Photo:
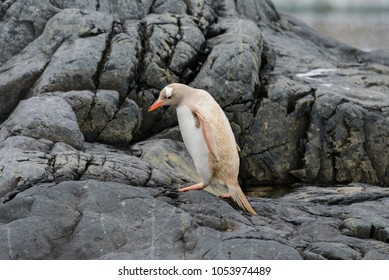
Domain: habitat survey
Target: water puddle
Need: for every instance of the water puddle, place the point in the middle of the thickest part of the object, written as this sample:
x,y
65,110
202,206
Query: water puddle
x,y
271,191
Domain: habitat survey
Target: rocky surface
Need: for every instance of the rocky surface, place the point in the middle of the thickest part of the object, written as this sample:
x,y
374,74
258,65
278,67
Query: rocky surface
x,y
86,173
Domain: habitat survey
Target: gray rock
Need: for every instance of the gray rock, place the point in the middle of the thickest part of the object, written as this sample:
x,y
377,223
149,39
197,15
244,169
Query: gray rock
x,y
202,10
173,42
169,158
44,117
383,235
118,168
69,164
102,116
21,169
272,142
120,70
230,72
334,251
124,10
70,67
104,107
357,227
237,247
303,107
122,126
21,24
81,102
94,210
21,72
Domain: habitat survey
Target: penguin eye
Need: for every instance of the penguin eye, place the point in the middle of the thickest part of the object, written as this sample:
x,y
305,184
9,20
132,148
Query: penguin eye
x,y
169,92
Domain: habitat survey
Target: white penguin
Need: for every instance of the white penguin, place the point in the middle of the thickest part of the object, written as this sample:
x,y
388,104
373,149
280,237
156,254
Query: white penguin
x,y
208,136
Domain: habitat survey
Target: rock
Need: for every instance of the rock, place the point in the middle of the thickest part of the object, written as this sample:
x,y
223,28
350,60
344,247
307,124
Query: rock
x,y
103,117
81,102
230,248
122,126
120,70
94,210
230,72
124,10
169,158
96,163
21,24
23,164
70,68
334,251
88,173
70,164
21,72
383,234
118,168
104,107
272,142
44,117
94,219
162,32
357,227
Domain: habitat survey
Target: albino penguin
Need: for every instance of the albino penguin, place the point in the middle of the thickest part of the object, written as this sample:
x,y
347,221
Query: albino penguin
x,y
208,137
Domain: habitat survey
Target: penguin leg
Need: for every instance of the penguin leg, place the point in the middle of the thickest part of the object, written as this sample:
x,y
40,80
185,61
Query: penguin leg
x,y
198,186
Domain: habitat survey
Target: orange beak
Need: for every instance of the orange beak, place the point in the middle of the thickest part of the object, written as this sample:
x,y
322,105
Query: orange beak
x,y
156,105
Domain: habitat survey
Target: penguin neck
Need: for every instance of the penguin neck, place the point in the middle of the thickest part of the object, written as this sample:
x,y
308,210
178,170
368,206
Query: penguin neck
x,y
190,96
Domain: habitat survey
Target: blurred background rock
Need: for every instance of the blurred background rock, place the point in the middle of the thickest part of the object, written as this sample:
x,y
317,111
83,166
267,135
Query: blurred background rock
x,y
359,23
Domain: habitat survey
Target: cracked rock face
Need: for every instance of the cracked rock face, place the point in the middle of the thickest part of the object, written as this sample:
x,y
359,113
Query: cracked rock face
x,y
90,174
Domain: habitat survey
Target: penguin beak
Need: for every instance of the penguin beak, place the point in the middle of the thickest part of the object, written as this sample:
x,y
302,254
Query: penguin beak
x,y
156,105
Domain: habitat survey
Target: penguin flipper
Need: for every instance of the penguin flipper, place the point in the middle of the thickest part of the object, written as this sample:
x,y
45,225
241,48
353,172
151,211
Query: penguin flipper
x,y
208,134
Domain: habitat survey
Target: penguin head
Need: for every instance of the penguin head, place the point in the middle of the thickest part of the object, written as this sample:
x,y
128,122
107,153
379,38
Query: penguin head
x,y
172,94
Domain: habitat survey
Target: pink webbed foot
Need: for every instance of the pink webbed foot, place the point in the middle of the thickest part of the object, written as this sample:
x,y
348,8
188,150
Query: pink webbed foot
x,y
226,195
198,186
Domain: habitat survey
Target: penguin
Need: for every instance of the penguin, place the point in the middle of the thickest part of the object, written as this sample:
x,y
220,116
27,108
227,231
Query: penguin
x,y
208,137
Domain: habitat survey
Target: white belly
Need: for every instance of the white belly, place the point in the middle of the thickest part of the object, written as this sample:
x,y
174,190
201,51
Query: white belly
x,y
194,142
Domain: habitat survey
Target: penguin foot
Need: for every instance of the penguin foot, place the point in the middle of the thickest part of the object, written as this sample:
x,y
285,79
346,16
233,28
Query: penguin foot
x,y
198,186
226,195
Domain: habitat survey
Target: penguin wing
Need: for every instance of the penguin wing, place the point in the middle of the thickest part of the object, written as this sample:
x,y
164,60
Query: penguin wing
x,y
208,134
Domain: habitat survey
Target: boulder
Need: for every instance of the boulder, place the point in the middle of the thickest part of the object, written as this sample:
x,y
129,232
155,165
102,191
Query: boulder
x,y
49,118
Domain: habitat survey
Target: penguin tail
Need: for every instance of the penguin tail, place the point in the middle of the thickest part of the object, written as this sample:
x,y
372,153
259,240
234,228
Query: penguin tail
x,y
239,197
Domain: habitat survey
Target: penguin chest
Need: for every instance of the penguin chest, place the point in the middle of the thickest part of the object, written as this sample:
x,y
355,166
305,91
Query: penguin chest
x,y
194,142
